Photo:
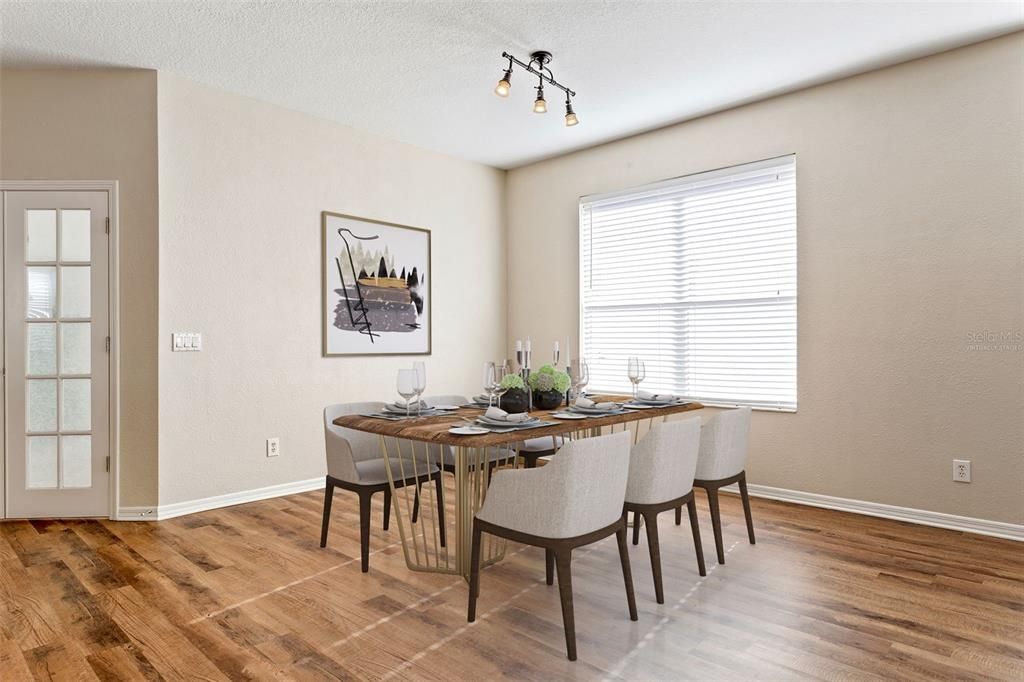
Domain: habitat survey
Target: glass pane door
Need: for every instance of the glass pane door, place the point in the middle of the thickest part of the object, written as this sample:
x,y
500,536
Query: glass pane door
x,y
56,318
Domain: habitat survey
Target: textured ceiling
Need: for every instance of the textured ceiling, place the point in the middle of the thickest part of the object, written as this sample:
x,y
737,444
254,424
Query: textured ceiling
x,y
423,72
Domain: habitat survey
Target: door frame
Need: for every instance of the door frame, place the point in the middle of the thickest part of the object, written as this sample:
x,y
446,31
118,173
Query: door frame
x,y
113,301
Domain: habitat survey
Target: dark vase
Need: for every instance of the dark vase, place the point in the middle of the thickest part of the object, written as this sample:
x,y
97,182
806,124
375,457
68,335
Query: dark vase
x,y
547,400
514,400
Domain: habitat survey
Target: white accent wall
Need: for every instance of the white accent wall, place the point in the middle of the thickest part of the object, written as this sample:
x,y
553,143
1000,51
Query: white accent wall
x,y
242,185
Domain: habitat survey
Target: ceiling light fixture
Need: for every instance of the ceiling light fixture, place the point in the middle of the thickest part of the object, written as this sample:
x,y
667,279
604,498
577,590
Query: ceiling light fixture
x,y
505,84
570,115
538,67
540,105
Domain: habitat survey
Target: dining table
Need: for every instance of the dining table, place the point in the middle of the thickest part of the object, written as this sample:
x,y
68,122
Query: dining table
x,y
416,446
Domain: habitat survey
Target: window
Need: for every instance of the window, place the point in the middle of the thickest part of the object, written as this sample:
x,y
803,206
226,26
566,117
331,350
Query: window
x,y
697,277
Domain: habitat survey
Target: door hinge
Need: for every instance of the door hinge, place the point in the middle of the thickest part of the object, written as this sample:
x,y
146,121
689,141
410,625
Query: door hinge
x,y
108,344
108,463
107,231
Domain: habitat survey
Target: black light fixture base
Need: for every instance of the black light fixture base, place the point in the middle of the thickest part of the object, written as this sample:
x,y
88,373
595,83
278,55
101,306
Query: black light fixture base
x,y
542,57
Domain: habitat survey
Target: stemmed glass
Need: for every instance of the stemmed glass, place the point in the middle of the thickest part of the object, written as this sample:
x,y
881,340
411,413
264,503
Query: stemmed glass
x,y
407,386
580,376
637,372
421,383
491,382
500,389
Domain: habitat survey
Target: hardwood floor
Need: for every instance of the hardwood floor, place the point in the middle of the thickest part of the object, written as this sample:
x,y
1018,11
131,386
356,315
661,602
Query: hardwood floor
x,y
246,593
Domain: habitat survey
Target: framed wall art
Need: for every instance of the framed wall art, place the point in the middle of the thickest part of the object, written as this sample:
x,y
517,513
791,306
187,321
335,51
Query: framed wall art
x,y
376,287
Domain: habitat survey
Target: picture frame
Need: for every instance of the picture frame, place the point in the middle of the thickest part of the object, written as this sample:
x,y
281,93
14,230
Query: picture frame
x,y
376,293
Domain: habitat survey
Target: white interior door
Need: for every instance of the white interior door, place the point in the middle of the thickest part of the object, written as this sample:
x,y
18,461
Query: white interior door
x,y
56,362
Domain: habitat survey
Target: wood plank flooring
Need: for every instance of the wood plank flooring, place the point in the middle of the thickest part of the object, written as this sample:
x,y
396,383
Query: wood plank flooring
x,y
246,593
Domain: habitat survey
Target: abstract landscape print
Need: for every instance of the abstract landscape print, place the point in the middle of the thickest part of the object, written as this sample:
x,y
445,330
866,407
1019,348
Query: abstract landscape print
x,y
376,281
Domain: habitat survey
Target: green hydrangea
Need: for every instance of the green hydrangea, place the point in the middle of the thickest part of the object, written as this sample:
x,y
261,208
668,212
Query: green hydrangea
x,y
510,381
547,378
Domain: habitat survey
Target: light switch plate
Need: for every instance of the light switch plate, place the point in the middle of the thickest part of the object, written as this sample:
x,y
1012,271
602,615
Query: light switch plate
x,y
186,342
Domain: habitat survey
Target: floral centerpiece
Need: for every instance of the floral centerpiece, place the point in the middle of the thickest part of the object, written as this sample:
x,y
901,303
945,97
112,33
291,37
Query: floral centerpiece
x,y
549,386
514,399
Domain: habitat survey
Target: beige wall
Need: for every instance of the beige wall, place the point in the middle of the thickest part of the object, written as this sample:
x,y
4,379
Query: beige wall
x,y
911,237
242,187
101,125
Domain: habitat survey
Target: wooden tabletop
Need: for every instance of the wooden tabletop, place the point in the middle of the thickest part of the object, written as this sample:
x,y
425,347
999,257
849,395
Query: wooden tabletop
x,y
435,429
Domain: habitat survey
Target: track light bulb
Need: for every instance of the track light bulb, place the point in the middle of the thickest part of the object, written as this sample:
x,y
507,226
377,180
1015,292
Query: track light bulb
x,y
570,115
504,85
540,106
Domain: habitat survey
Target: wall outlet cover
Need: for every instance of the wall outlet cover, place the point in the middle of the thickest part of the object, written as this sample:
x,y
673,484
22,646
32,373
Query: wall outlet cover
x,y
962,470
273,447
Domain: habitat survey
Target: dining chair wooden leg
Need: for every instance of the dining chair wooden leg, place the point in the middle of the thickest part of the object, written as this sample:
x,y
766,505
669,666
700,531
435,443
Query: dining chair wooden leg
x,y
627,573
691,507
438,491
474,573
387,507
716,522
563,562
636,528
549,566
328,498
364,529
746,505
651,519
679,516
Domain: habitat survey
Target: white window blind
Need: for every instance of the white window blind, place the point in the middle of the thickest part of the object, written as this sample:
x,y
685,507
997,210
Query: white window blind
x,y
697,277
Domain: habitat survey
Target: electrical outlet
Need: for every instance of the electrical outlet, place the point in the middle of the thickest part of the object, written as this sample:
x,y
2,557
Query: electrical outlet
x,y
273,447
962,470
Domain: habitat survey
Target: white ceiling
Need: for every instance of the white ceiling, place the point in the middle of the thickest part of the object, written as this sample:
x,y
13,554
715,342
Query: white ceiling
x,y
423,72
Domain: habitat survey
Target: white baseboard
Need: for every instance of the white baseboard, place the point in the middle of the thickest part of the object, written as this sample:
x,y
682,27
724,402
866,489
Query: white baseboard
x,y
136,514
966,524
169,511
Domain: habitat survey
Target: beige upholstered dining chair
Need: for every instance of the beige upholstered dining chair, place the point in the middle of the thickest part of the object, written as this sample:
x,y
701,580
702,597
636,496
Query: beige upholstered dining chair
x,y
723,460
354,463
661,471
574,501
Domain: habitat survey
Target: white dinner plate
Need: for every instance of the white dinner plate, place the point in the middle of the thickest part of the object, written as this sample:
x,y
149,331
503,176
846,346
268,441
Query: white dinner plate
x,y
500,422
400,409
567,415
593,411
468,430
638,406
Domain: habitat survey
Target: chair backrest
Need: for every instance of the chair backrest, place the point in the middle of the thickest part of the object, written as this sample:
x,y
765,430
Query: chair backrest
x,y
593,473
723,445
345,447
445,400
662,464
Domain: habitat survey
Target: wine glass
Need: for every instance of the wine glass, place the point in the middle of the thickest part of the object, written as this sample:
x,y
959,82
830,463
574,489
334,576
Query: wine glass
x,y
637,372
420,368
580,376
407,386
499,388
491,382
